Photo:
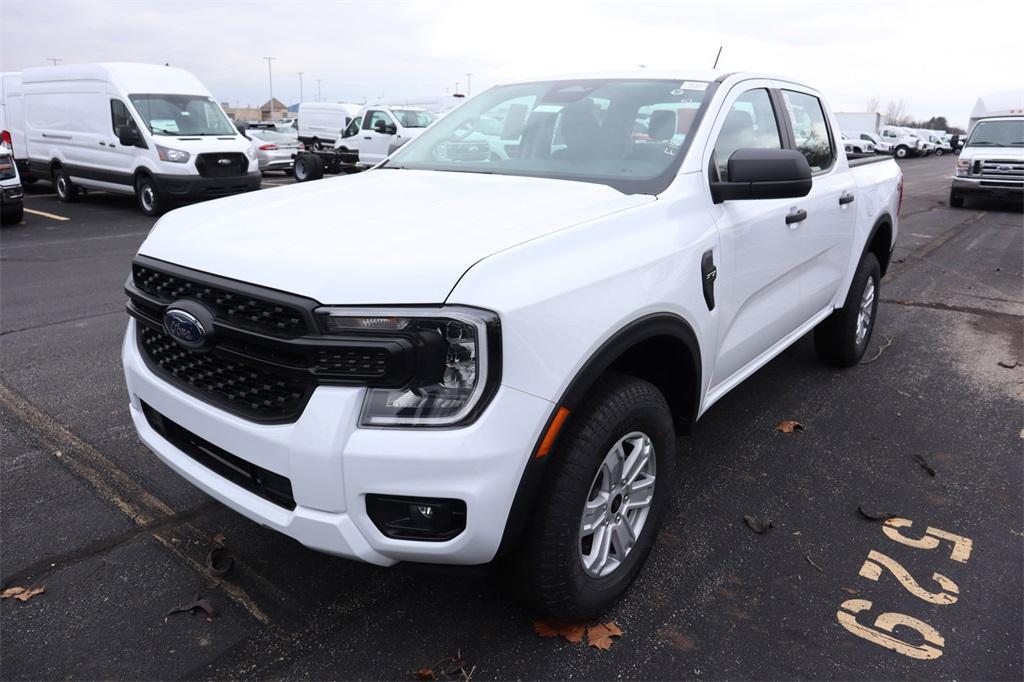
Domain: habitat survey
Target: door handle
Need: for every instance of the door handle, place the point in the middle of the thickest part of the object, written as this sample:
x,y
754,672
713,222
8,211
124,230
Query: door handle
x,y
846,198
797,215
103,144
368,138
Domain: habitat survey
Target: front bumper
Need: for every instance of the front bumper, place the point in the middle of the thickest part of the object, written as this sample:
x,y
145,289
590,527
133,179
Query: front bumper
x,y
333,465
196,187
993,188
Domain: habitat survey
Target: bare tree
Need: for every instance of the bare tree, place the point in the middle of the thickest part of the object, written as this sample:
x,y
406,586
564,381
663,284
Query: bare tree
x,y
872,104
896,113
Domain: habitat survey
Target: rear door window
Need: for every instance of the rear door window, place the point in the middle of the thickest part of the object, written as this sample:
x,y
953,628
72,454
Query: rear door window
x,y
810,131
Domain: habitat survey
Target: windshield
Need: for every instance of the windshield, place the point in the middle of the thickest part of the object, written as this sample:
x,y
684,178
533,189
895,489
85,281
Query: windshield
x,y
998,134
182,115
623,132
414,118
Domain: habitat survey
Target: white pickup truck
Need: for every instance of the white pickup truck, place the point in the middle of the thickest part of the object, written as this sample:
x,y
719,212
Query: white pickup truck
x,y
492,356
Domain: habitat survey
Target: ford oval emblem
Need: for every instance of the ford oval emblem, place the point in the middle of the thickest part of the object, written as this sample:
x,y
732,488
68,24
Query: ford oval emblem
x,y
224,162
184,328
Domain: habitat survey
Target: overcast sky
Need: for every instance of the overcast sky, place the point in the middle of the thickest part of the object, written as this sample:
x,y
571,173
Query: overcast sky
x,y
936,56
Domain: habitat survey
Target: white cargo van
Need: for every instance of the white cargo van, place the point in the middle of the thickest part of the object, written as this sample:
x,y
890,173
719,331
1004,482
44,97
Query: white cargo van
x,y
153,131
321,123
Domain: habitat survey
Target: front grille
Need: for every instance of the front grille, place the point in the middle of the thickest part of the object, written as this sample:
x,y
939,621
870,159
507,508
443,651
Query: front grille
x,y
1001,169
268,485
211,166
248,311
227,380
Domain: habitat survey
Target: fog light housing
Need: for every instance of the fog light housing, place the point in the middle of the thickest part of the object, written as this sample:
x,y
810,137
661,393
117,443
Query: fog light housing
x,y
417,518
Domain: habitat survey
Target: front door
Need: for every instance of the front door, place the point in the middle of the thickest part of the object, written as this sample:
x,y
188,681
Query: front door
x,y
374,144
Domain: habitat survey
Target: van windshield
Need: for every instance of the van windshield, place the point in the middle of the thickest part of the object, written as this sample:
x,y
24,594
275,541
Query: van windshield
x,y
626,133
182,115
998,134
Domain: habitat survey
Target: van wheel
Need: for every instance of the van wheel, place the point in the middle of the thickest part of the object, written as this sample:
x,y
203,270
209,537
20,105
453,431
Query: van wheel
x,y
315,144
939,151
66,191
12,215
901,152
955,200
151,202
842,337
308,167
606,491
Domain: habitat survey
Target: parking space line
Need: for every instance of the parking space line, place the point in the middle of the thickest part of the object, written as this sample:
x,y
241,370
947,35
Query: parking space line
x,y
116,487
44,214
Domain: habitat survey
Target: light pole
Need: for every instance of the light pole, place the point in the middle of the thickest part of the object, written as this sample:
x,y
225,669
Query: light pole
x,y
318,82
468,89
300,85
270,76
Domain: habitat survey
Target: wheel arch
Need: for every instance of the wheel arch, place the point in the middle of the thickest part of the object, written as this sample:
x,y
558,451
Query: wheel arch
x,y
880,242
638,349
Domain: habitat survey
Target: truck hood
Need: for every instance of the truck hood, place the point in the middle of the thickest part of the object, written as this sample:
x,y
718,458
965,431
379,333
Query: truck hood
x,y
992,153
384,236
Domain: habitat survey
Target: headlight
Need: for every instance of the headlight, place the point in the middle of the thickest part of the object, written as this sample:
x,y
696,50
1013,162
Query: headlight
x,y
963,167
172,155
464,356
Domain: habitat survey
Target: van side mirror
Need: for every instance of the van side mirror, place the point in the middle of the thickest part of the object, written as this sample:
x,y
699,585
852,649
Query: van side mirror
x,y
764,174
128,136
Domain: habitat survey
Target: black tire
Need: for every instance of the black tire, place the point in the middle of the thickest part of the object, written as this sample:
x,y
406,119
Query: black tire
x,y
835,338
550,554
939,151
308,167
316,145
151,201
67,192
12,215
955,200
901,152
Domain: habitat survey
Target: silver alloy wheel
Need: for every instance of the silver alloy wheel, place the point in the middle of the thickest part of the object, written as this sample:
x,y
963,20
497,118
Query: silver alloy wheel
x,y
62,186
867,303
146,195
617,505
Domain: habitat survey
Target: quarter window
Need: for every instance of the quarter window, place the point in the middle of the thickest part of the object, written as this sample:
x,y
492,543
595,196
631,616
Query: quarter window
x,y
119,115
749,123
809,129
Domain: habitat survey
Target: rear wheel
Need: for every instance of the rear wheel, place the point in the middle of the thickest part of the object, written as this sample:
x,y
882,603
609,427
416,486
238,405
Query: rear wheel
x,y
66,191
308,167
955,200
901,152
939,151
609,484
842,337
150,200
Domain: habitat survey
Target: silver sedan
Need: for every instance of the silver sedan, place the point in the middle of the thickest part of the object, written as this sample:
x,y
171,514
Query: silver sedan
x,y
274,150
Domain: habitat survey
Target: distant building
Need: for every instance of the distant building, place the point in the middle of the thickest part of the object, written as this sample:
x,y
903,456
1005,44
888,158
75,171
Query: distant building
x,y
251,113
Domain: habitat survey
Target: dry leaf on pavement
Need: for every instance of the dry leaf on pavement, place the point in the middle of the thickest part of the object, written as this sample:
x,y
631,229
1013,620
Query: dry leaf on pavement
x,y
789,426
425,674
874,515
22,593
219,539
759,526
600,636
203,605
550,628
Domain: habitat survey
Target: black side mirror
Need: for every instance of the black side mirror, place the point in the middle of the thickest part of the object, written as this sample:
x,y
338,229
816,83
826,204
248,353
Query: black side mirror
x,y
764,174
128,136
381,127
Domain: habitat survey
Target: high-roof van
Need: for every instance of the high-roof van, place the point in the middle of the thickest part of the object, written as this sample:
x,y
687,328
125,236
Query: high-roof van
x,y
152,131
322,123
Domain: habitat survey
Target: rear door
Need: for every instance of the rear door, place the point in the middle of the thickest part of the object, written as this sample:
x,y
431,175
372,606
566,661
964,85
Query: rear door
x,y
826,236
758,269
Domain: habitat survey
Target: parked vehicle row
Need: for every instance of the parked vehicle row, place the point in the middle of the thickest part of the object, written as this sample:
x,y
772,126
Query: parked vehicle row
x,y
492,355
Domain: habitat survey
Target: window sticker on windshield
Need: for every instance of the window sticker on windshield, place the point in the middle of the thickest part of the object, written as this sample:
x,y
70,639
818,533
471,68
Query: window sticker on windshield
x,y
166,124
694,85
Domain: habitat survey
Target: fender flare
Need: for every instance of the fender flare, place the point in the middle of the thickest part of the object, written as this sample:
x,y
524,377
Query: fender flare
x,y
883,219
637,331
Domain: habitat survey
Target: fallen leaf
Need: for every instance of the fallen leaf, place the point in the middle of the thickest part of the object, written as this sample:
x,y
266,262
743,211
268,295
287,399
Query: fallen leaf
x,y
219,539
219,562
789,426
1008,364
22,593
550,628
677,640
923,463
759,526
203,605
425,674
600,635
849,590
872,515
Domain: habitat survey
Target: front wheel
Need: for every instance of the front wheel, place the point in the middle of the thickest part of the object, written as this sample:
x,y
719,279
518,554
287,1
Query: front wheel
x,y
842,337
151,202
955,200
12,214
939,152
609,484
901,152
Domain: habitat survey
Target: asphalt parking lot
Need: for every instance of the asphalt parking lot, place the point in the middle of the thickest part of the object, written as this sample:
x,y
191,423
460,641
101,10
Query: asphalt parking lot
x,y
118,540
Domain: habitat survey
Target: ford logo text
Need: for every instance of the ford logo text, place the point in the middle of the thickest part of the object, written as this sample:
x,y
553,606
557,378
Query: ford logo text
x,y
184,328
